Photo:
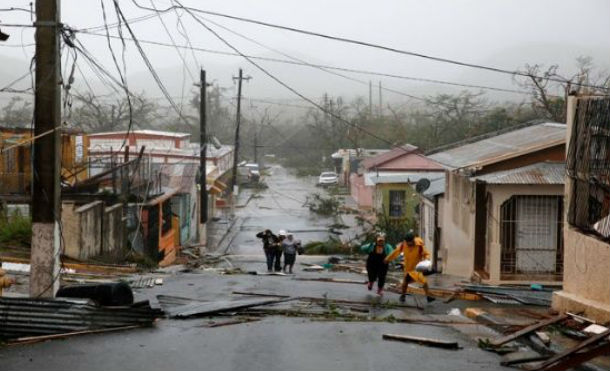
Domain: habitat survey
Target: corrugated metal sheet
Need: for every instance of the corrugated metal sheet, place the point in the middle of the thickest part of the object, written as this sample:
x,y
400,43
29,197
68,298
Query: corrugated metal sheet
x,y
21,317
507,144
540,173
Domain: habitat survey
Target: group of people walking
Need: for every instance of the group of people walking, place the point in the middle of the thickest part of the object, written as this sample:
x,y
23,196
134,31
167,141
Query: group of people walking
x,y
416,262
275,246
416,259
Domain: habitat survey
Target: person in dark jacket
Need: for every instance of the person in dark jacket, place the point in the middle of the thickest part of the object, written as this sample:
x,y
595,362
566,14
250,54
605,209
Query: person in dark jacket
x,y
279,249
376,268
269,245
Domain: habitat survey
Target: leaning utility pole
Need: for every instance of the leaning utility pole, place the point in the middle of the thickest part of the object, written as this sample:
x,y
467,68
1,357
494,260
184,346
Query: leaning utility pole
x,y
240,78
46,212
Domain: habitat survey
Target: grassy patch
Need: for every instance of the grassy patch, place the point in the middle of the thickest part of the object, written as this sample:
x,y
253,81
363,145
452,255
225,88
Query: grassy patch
x,y
15,229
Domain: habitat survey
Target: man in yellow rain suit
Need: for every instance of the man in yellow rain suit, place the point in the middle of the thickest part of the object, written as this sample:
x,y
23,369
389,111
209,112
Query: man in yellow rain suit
x,y
414,251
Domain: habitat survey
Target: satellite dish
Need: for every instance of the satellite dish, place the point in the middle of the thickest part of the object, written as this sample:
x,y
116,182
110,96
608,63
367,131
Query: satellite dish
x,y
216,143
422,185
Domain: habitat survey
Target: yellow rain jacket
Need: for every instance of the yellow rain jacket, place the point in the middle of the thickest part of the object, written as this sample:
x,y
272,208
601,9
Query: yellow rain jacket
x,y
413,254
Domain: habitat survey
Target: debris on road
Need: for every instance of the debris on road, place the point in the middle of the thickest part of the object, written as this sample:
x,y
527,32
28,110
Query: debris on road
x,y
213,324
200,309
108,294
423,341
519,357
26,317
505,339
38,339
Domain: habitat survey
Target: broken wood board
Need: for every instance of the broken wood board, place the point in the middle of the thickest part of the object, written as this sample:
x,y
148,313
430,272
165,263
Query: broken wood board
x,y
82,267
205,309
438,292
572,357
37,339
527,330
329,300
423,341
231,322
313,268
517,358
332,280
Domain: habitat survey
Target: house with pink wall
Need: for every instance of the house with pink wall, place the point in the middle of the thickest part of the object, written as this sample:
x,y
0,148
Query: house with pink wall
x,y
407,159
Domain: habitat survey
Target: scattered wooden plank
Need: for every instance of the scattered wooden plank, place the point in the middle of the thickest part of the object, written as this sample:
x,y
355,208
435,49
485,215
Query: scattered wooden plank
x,y
37,339
332,280
206,309
262,294
527,330
233,322
517,358
423,341
570,358
329,300
438,292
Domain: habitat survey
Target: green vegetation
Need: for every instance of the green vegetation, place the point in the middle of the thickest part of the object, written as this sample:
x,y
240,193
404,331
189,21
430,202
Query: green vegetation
x,y
321,205
328,247
15,229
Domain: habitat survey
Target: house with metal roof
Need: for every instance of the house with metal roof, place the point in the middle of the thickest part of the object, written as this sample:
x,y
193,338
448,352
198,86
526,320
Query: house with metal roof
x,y
384,183
501,214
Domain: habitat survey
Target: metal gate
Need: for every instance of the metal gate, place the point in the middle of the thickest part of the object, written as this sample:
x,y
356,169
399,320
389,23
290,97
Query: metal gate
x,y
531,235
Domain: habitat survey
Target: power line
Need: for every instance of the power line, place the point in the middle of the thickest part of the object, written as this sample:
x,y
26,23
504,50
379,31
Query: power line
x,y
288,87
330,67
305,62
376,46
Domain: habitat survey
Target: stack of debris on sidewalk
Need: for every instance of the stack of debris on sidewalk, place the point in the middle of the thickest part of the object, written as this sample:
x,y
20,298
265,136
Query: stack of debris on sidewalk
x,y
533,295
558,342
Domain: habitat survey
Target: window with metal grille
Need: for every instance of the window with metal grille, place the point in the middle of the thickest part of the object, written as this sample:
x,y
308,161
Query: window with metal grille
x,y
397,203
588,165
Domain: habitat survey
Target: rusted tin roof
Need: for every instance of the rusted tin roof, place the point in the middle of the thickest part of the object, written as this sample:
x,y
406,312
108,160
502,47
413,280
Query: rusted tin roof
x,y
504,146
539,173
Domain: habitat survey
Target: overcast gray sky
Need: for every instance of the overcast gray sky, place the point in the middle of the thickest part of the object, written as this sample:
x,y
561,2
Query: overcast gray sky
x,y
502,33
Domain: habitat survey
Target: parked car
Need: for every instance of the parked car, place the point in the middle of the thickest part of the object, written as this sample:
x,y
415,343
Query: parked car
x,y
328,178
254,174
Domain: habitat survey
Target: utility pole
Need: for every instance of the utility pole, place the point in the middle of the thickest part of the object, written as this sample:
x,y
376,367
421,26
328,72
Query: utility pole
x,y
203,141
46,213
370,98
255,145
380,100
240,78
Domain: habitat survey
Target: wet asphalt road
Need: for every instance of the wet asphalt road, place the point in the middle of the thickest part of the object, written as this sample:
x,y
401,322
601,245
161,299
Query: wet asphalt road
x,y
281,206
274,343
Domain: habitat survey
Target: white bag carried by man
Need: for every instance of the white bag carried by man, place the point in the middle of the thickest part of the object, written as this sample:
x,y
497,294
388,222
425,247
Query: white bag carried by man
x,y
424,266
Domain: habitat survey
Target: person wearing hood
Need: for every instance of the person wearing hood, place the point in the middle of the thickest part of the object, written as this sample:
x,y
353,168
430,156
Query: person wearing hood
x,y
376,267
414,253
269,241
